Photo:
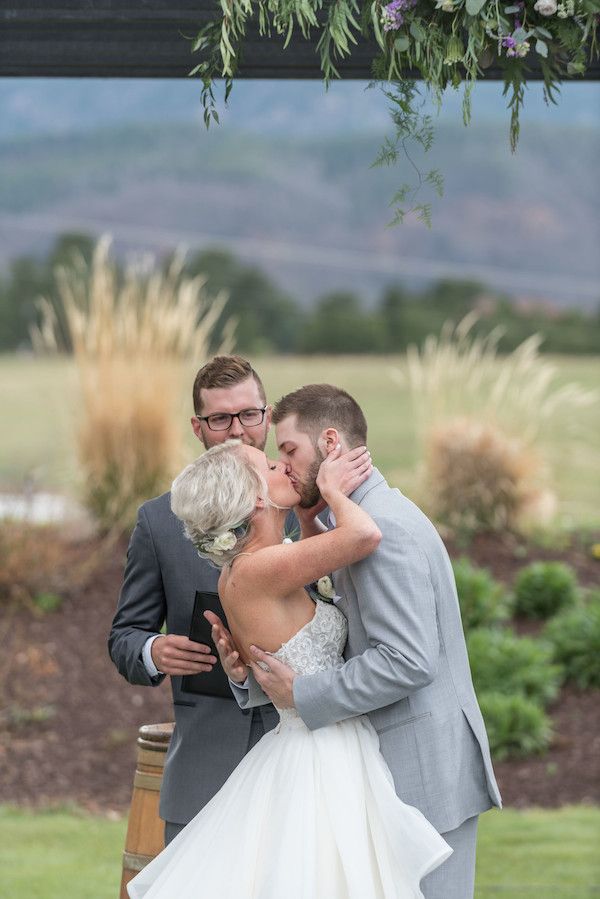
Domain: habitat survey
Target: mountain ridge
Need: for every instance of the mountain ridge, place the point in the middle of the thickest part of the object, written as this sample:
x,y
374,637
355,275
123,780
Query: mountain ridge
x,y
310,209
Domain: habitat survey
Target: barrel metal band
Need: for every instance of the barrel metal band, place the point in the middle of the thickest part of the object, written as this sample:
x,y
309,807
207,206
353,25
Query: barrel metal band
x,y
133,861
146,781
149,757
153,746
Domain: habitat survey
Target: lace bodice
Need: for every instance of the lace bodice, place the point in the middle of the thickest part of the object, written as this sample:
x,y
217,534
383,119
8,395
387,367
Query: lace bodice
x,y
317,646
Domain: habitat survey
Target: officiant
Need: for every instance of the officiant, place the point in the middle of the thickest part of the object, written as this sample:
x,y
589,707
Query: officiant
x,y
165,581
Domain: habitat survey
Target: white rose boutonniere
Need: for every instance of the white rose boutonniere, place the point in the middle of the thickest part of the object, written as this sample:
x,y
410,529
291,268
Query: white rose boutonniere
x,y
325,588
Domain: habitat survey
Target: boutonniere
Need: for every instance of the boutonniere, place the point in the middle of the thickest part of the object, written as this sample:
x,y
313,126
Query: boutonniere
x,y
325,588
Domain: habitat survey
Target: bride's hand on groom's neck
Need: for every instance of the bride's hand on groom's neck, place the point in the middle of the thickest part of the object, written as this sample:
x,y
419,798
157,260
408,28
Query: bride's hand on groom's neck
x,y
343,471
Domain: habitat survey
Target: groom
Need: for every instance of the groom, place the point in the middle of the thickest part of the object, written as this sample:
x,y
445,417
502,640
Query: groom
x,y
406,660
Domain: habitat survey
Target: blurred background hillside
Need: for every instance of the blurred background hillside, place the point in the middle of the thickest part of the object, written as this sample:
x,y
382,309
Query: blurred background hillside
x,y
281,200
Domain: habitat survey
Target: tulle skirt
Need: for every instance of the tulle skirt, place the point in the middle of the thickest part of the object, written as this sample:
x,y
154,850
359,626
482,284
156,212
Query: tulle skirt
x,y
306,815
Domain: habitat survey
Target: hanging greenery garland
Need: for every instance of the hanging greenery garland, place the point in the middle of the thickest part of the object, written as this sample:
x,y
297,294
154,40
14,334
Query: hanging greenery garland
x,y
447,42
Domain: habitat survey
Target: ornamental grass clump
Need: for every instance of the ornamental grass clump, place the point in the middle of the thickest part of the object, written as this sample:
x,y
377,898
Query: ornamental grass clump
x,y
575,638
33,573
482,600
544,588
484,423
134,335
478,479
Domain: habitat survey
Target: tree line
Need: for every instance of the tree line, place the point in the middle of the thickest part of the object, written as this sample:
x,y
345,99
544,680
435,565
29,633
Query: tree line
x,y
271,320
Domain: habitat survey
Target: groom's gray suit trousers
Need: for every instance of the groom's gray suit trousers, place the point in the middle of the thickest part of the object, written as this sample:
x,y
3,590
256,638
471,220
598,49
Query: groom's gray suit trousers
x,y
455,878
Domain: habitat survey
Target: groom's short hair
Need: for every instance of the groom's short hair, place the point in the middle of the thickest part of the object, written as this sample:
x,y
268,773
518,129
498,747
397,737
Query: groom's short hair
x,y
320,406
224,371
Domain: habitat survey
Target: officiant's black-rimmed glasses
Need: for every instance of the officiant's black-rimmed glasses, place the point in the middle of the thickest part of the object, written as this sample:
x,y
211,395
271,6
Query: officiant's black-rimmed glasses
x,y
221,421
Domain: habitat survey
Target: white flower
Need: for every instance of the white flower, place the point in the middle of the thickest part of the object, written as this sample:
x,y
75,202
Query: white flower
x,y
546,7
224,542
566,9
287,540
325,587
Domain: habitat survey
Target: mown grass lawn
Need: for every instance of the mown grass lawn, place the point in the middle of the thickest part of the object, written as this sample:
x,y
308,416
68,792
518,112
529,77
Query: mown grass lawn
x,y
38,408
522,855
539,854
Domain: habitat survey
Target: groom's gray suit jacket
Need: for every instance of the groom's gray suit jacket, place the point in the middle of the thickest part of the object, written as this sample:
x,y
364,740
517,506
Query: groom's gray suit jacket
x,y
406,666
211,736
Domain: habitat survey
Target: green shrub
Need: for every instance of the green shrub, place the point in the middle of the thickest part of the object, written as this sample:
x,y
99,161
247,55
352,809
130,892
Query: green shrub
x,y
503,663
20,717
47,602
575,638
543,589
516,726
482,599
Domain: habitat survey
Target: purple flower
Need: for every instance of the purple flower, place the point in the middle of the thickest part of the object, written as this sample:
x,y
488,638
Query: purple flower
x,y
515,48
392,16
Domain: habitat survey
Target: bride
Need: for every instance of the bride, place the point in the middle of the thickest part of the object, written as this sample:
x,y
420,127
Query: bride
x,y
306,814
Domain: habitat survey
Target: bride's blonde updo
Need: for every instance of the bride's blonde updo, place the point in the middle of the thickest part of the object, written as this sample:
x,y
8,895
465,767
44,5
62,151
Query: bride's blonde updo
x,y
215,498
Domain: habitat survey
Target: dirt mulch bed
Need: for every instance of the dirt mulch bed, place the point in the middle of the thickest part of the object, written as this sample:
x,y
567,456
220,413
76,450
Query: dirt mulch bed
x,y
504,557
68,720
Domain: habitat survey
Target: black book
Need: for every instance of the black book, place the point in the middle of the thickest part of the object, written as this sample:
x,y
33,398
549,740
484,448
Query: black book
x,y
207,683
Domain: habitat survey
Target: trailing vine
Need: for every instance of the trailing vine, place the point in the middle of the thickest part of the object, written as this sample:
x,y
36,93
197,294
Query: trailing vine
x,y
445,42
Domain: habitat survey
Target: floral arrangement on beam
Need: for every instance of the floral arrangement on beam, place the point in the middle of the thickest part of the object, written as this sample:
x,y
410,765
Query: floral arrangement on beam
x,y
447,42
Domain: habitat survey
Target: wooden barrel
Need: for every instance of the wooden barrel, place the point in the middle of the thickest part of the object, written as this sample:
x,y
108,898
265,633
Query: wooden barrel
x,y
145,829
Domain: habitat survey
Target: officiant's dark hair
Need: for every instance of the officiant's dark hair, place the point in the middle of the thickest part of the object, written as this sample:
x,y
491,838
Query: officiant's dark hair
x,y
320,406
224,371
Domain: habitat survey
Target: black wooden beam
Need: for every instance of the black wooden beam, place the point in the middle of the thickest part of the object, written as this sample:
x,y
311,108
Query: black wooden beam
x,y
147,39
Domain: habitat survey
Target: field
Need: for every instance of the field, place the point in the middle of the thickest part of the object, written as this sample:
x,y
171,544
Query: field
x,y
521,855
88,759
38,408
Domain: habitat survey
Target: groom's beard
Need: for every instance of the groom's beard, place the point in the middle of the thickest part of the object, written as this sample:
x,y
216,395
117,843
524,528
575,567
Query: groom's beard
x,y
308,490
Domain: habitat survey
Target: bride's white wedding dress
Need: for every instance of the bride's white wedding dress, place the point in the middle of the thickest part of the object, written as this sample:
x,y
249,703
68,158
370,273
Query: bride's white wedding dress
x,y
305,815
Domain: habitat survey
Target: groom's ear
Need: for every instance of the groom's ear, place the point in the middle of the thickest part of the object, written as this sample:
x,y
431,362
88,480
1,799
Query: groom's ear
x,y
328,440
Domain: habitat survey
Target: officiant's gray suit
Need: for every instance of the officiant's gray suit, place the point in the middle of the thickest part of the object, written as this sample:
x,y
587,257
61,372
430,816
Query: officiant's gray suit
x,y
407,669
211,735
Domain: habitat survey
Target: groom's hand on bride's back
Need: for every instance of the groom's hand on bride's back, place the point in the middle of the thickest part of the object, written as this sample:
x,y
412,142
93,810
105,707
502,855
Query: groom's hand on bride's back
x,y
175,654
233,667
